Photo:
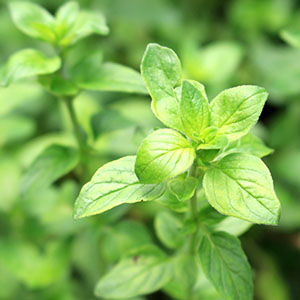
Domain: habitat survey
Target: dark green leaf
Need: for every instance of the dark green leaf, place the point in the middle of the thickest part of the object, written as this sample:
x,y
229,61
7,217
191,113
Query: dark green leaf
x,y
225,265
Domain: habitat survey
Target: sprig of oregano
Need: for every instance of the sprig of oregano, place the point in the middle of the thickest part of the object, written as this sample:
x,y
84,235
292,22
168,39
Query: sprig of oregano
x,y
207,152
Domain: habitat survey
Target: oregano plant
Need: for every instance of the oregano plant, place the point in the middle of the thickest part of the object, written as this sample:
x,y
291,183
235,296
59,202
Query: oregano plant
x,y
205,169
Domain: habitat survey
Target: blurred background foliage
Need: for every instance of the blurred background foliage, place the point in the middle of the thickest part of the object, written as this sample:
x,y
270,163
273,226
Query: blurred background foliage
x,y
44,254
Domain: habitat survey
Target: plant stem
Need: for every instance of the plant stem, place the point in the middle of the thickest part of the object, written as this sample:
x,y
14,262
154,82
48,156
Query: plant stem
x,y
76,127
193,208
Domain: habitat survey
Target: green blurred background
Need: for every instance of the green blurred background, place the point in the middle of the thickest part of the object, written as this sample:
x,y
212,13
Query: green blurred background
x,y
44,254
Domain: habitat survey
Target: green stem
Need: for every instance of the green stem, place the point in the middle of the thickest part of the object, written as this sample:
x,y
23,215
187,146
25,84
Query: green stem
x,y
76,127
193,209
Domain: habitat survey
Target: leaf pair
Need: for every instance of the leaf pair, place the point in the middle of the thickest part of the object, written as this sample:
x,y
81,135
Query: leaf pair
x,y
68,26
185,108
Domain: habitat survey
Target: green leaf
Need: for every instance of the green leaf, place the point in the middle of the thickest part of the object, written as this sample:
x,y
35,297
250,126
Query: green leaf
x,y
210,139
35,267
235,111
185,278
183,188
54,162
87,23
67,14
213,64
163,154
161,71
233,226
225,265
240,185
168,228
170,201
73,25
114,184
143,273
92,74
291,36
122,238
33,20
15,129
27,63
194,108
58,85
250,144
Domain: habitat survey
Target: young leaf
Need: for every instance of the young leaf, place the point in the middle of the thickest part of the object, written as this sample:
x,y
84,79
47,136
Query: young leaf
x,y
27,63
163,154
194,108
114,184
225,265
66,14
161,71
168,228
92,74
235,111
183,188
54,162
72,26
240,185
250,144
33,20
211,140
170,201
143,273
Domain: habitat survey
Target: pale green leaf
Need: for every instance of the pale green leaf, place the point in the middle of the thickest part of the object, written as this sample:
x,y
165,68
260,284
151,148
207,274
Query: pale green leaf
x,y
54,162
210,139
66,17
250,144
114,184
67,14
141,274
91,74
235,111
161,71
86,24
240,185
33,20
183,188
225,265
27,63
163,154
168,228
233,226
194,109
16,129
